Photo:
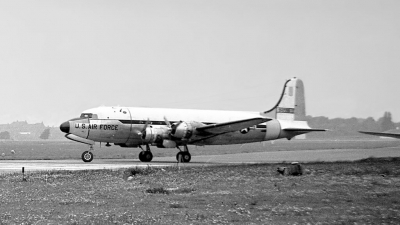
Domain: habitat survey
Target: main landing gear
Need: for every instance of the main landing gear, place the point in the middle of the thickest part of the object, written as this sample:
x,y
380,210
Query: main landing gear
x,y
87,156
182,156
145,155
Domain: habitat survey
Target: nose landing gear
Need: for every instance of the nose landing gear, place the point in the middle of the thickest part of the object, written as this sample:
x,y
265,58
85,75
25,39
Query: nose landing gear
x,y
87,156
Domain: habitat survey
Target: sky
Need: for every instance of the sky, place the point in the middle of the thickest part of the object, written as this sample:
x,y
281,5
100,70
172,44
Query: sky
x,y
59,58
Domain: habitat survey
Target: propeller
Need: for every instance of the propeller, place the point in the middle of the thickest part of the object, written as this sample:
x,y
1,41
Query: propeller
x,y
142,133
167,122
172,127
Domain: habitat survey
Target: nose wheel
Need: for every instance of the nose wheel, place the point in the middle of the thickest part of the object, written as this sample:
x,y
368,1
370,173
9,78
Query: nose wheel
x,y
87,156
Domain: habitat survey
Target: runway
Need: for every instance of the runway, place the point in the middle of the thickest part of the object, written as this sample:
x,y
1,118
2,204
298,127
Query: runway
x,y
331,155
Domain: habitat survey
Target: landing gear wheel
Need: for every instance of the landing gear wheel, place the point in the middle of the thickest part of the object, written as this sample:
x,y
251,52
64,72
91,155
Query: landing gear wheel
x,y
186,157
183,156
87,156
179,157
141,156
145,156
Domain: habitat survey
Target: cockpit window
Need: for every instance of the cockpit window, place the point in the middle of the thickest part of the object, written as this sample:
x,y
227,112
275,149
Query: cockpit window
x,y
89,116
86,115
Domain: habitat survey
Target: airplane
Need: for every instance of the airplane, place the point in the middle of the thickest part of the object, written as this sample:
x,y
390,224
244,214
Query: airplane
x,y
133,127
382,134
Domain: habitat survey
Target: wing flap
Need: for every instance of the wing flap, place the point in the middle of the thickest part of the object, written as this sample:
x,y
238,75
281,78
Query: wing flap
x,y
231,126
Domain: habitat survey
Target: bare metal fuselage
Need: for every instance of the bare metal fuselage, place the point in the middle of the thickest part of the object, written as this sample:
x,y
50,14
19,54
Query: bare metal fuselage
x,y
121,125
172,128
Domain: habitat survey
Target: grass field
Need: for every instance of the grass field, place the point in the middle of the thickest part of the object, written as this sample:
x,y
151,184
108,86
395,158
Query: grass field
x,y
365,192
73,150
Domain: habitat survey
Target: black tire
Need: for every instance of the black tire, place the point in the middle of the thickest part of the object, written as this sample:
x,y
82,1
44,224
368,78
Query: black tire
x,y
145,156
186,157
148,156
141,156
179,156
87,156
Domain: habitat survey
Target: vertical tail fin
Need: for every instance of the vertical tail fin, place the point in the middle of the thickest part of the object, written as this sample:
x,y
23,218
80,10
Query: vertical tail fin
x,y
291,105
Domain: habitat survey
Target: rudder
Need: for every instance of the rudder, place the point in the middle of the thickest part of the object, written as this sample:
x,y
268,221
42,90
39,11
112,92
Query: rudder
x,y
291,105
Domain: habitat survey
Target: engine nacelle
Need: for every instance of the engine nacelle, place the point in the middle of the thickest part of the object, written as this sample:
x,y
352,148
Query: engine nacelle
x,y
155,135
127,145
167,144
184,130
166,137
273,130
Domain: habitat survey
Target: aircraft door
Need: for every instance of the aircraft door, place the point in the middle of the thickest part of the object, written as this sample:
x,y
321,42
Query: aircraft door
x,y
115,128
95,129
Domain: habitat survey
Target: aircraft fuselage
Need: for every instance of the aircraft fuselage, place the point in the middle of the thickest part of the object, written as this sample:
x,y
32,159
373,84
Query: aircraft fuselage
x,y
172,128
121,125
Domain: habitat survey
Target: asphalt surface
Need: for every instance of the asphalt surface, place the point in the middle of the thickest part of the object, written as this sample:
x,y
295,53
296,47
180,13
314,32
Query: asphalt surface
x,y
330,155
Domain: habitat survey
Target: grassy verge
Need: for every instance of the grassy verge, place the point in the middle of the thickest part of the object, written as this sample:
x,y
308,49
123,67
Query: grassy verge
x,y
366,192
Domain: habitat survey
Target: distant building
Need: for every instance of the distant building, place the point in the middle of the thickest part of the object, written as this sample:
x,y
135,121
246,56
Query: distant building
x,y
22,130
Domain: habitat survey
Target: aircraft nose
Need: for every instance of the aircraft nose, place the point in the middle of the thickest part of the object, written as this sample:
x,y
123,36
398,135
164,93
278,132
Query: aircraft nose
x,y
64,127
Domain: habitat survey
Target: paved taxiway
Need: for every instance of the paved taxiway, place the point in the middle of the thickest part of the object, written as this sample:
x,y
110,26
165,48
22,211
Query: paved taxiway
x,y
330,155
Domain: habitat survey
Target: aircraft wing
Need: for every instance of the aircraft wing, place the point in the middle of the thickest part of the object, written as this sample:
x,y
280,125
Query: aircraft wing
x,y
382,134
231,126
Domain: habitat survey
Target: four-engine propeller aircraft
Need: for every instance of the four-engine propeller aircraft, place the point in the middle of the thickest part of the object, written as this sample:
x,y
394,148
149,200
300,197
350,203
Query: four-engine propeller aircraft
x,y
176,128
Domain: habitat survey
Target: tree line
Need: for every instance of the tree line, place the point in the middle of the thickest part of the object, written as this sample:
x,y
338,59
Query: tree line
x,y
5,135
351,126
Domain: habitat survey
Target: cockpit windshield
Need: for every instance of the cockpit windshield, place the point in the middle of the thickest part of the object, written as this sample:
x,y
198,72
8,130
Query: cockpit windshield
x,y
86,115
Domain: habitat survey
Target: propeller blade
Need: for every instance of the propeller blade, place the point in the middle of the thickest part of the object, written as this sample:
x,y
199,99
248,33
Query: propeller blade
x,y
167,122
146,124
142,133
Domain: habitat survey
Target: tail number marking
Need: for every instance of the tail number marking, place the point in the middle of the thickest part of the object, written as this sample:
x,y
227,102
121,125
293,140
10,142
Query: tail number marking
x,y
285,110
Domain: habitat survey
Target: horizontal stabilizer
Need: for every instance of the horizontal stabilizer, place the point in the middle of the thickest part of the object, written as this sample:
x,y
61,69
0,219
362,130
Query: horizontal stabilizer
x,y
303,129
382,134
297,127
231,126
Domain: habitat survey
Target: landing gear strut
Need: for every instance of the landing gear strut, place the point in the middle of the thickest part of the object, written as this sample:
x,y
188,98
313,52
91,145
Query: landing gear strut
x,y
145,155
87,156
183,156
